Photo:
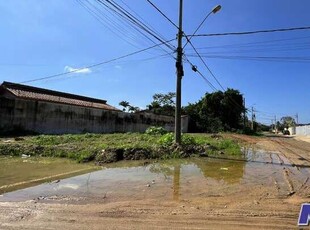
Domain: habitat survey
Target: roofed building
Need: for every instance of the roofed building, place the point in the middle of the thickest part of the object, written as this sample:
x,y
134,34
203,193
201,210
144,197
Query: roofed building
x,y
30,109
13,90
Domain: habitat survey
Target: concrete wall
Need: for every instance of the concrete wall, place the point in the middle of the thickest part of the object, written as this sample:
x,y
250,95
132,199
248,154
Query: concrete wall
x,y
52,118
303,130
292,130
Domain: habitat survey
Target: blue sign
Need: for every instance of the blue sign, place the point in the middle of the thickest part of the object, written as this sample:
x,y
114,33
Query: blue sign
x,y
304,215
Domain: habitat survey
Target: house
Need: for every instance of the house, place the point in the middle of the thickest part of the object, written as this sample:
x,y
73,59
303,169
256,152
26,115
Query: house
x,y
36,110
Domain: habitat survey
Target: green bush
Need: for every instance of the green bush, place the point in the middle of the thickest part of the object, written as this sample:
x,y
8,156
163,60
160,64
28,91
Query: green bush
x,y
188,140
153,130
166,139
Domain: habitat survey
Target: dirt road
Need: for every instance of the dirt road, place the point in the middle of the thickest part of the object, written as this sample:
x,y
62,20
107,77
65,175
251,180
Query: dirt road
x,y
266,195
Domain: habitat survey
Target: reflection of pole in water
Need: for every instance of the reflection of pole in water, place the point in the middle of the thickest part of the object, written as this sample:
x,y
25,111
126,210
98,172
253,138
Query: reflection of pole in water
x,y
176,182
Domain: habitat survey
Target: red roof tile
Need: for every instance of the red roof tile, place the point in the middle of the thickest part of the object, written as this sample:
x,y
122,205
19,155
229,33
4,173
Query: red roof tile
x,y
34,93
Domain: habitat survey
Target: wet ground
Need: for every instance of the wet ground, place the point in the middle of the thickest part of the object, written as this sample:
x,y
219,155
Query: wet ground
x,y
264,189
21,172
172,179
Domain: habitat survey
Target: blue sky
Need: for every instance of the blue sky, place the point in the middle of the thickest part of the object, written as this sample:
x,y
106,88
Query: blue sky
x,y
42,38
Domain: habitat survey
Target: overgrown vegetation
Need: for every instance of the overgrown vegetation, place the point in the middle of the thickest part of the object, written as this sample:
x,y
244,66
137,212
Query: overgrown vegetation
x,y
106,148
216,112
153,130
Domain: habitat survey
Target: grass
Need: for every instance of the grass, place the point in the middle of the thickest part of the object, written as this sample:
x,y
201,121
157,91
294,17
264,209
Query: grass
x,y
85,147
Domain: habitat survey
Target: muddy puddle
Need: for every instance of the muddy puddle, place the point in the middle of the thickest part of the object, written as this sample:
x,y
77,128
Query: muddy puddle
x,y
169,180
21,172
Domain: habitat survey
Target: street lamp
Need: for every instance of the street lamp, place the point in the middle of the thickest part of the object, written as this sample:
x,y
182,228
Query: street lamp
x,y
216,9
179,68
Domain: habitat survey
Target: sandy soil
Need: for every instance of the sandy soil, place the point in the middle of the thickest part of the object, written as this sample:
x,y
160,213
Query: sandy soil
x,y
269,202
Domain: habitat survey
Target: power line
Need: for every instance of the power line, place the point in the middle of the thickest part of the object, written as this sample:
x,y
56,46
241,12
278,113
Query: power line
x,y
252,32
205,64
132,20
123,14
152,4
128,16
97,64
139,16
258,58
266,49
194,68
214,10
250,44
97,14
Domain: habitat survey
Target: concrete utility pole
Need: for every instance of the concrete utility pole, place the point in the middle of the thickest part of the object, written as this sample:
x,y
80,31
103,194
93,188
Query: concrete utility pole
x,y
275,124
296,118
252,125
244,113
180,74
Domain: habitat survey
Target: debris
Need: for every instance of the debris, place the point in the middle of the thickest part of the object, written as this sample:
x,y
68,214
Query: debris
x,y
19,139
25,156
8,141
255,202
146,163
203,154
225,169
291,193
148,185
153,181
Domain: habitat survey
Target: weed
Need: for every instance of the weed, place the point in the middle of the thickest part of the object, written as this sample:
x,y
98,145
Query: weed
x,y
85,147
153,130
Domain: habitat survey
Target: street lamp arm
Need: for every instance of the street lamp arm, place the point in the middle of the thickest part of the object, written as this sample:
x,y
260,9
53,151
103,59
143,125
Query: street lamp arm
x,y
214,11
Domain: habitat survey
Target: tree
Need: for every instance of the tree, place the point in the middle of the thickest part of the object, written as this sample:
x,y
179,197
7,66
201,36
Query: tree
x,y
124,104
288,122
127,107
163,104
217,111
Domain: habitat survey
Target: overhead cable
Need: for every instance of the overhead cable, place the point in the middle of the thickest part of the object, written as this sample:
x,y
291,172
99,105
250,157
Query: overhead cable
x,y
165,16
252,32
97,64
205,64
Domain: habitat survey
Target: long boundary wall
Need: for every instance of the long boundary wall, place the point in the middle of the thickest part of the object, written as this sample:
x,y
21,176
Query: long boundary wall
x,y
53,118
303,130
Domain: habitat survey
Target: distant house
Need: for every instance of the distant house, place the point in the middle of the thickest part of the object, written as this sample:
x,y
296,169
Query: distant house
x,y
18,91
30,109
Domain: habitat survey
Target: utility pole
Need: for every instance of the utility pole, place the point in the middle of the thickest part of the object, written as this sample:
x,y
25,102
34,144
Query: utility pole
x,y
180,74
244,113
252,125
296,118
275,124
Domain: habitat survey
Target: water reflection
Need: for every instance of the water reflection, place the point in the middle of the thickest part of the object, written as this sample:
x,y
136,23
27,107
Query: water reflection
x,y
226,171
125,180
229,171
176,182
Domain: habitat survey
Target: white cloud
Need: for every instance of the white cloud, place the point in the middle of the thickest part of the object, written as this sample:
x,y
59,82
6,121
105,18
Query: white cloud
x,y
77,70
118,67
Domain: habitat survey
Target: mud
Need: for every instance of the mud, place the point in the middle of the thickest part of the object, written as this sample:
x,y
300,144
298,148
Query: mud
x,y
262,190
